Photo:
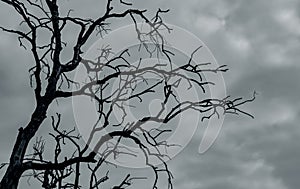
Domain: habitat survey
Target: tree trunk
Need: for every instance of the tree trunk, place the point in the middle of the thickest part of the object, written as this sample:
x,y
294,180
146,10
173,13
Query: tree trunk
x,y
15,169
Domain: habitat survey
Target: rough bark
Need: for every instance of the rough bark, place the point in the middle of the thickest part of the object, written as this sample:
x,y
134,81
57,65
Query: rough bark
x,y
15,169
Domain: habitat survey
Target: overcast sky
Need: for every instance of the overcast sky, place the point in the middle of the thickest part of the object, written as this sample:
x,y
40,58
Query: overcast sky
x,y
258,40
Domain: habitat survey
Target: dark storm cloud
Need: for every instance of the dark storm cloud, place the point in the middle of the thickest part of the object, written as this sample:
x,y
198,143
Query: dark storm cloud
x,y
259,40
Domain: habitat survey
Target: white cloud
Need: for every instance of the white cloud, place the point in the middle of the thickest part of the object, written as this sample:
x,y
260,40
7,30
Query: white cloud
x,y
240,43
256,175
278,113
209,24
275,55
288,19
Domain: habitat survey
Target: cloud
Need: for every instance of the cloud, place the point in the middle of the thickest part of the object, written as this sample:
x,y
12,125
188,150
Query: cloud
x,y
208,24
289,19
259,40
238,43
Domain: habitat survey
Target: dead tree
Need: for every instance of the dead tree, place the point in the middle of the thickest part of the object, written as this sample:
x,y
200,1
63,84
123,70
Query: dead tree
x,y
50,80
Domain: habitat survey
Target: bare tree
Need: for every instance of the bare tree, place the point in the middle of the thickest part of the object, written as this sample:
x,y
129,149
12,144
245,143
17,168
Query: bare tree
x,y
50,77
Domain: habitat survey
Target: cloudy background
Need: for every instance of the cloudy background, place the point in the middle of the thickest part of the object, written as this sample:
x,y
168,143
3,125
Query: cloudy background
x,y
258,40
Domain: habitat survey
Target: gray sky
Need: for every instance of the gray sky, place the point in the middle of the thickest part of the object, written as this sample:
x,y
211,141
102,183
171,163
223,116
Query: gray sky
x,y
258,40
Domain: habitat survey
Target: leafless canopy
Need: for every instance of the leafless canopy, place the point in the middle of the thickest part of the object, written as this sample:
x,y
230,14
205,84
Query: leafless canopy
x,y
50,78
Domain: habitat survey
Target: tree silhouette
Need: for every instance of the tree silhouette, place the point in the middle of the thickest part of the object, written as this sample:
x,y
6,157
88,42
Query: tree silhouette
x,y
51,79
